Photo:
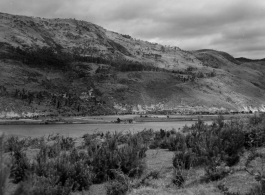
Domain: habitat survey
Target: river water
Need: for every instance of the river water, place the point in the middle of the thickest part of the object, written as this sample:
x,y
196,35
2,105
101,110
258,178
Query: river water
x,y
77,130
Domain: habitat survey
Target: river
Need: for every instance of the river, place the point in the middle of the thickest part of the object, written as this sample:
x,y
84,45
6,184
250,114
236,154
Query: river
x,y
77,130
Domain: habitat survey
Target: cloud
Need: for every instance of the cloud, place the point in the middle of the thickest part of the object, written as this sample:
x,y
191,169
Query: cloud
x,y
233,26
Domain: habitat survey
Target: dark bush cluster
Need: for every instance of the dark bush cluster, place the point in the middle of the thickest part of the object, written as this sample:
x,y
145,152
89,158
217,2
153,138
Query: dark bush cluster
x,y
161,139
217,146
115,155
13,143
119,186
20,166
255,132
69,171
60,168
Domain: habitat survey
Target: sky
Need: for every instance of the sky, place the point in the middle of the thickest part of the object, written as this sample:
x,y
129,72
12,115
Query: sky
x,y
234,26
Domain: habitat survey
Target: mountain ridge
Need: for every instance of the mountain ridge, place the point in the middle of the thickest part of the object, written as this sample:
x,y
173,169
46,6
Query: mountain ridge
x,y
126,75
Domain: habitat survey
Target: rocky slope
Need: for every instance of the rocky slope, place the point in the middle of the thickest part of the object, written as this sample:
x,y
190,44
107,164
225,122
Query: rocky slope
x,y
167,78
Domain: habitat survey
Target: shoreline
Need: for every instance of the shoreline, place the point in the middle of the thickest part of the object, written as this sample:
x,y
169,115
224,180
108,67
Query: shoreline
x,y
124,119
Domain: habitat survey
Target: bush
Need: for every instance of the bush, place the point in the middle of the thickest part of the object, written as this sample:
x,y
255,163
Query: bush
x,y
232,137
4,170
176,142
4,173
59,172
67,143
120,185
146,135
44,186
217,146
129,158
224,140
116,188
67,169
255,136
19,167
215,170
185,159
178,178
88,139
13,144
154,145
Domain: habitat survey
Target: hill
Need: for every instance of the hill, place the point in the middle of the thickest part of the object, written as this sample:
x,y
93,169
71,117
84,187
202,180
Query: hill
x,y
242,59
72,67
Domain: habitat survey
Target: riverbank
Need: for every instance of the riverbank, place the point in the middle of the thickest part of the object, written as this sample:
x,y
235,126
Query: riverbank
x,y
124,119
169,118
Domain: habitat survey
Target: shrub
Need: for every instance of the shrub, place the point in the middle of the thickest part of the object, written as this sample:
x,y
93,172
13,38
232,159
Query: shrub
x,y
60,172
43,185
255,120
47,151
164,139
232,142
67,143
66,169
215,170
255,136
129,158
88,139
178,177
257,172
217,146
224,140
4,171
154,145
226,191
35,142
120,185
13,144
176,142
164,144
19,167
116,188
146,135
184,159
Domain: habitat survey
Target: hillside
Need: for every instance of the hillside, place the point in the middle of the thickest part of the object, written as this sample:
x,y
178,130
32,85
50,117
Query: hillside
x,y
69,67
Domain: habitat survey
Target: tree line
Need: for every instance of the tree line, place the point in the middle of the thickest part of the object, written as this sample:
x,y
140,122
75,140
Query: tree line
x,y
47,57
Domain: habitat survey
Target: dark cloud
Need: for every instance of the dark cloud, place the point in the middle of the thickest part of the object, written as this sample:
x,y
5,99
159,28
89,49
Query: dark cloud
x,y
236,27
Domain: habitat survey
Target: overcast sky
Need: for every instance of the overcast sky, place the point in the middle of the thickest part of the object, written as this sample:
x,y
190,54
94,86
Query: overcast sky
x,y
233,26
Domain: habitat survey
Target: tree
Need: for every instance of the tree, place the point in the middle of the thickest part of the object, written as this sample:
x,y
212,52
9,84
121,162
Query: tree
x,y
163,49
